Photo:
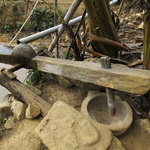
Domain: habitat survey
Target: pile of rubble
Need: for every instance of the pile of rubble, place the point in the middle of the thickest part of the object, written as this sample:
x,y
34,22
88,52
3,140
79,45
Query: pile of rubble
x,y
14,109
62,128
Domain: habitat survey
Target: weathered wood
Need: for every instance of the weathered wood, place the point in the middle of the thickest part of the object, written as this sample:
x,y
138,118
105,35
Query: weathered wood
x,y
16,67
23,92
136,81
8,59
101,24
146,55
121,78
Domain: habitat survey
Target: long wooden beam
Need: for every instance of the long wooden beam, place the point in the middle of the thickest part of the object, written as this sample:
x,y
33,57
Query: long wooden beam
x,y
136,81
22,92
121,78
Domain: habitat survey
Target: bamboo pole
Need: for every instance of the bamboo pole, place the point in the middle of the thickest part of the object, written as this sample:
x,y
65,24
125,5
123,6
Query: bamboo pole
x,y
67,17
101,24
146,59
46,32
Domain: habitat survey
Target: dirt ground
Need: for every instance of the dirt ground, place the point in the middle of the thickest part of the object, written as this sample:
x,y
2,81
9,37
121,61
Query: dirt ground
x,y
22,136
137,137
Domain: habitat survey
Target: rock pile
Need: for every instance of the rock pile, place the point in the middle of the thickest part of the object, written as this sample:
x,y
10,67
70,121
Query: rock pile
x,y
12,109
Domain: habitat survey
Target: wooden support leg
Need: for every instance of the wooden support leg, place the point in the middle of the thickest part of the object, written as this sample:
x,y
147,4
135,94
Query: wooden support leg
x,y
111,101
106,63
16,67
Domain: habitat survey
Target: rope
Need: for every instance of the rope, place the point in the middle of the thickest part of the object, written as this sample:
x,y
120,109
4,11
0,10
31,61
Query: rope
x,y
24,22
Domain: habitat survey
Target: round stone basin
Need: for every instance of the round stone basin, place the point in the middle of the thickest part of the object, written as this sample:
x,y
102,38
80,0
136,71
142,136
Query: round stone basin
x,y
95,107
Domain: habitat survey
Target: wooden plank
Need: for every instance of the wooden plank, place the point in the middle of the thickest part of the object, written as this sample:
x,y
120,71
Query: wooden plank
x,y
7,59
121,78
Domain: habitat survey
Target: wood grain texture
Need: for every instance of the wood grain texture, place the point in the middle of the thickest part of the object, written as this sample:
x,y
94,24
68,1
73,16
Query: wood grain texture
x,y
119,77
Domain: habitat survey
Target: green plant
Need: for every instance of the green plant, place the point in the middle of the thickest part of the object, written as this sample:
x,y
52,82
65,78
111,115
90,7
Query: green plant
x,y
41,47
69,54
33,77
19,24
7,28
41,19
4,120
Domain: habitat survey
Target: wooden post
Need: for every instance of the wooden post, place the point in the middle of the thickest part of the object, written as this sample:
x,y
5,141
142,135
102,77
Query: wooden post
x,y
106,63
146,57
101,24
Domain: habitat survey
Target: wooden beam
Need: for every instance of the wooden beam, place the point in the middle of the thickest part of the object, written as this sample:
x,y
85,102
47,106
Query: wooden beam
x,y
8,59
119,77
18,89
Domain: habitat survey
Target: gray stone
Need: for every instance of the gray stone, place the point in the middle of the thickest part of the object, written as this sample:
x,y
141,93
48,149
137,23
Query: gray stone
x,y
5,110
32,111
64,128
23,53
18,109
95,106
10,123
